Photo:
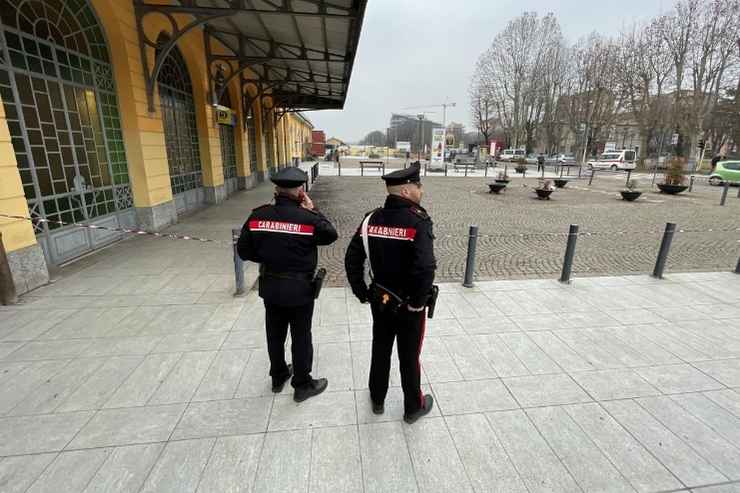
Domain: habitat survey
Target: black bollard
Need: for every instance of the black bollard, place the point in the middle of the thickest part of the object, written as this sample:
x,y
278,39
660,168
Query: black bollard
x,y
737,267
665,246
725,189
570,251
629,174
238,265
590,180
470,262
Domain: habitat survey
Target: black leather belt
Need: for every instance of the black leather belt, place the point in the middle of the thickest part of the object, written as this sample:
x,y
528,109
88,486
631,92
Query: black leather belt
x,y
293,276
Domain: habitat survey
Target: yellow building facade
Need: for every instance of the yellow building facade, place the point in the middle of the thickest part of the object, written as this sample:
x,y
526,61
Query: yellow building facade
x,y
115,113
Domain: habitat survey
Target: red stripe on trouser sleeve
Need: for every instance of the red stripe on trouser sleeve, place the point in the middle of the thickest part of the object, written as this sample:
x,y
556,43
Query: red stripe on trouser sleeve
x,y
418,355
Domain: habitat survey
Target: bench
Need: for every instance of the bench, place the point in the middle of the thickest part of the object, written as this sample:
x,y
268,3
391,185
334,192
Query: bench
x,y
378,165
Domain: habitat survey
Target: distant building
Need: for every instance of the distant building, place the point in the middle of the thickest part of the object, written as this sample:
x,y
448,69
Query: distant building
x,y
318,143
408,128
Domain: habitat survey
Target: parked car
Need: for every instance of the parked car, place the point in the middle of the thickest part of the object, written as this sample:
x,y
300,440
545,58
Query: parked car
x,y
615,160
726,171
512,154
532,159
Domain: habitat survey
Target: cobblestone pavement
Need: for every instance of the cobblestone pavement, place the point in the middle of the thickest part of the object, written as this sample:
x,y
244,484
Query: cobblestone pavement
x,y
625,239
142,373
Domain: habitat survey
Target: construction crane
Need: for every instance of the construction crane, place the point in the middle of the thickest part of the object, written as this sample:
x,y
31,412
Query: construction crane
x,y
444,107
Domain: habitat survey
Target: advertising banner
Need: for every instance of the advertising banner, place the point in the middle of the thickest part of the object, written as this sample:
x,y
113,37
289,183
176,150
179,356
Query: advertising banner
x,y
438,146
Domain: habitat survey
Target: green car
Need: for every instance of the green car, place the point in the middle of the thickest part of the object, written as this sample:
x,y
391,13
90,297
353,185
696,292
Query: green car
x,y
726,171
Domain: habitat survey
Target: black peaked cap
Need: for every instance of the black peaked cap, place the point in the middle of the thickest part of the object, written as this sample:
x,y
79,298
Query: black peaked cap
x,y
403,176
289,177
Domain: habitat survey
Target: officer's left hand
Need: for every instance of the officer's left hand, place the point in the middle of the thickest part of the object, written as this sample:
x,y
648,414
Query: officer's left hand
x,y
414,309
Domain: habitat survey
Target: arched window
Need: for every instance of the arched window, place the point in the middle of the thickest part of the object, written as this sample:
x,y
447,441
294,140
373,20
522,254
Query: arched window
x,y
180,127
58,91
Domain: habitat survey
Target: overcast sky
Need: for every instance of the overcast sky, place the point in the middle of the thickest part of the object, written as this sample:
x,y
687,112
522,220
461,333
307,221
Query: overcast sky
x,y
422,52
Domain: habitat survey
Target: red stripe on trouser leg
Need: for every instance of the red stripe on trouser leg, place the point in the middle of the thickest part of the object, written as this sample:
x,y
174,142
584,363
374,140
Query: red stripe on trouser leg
x,y
418,355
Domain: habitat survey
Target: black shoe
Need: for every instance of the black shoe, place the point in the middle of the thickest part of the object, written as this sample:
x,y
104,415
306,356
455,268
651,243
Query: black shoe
x,y
312,388
428,404
279,383
378,408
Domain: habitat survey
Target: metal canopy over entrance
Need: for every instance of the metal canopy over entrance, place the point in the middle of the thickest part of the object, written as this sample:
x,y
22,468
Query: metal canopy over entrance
x,y
300,52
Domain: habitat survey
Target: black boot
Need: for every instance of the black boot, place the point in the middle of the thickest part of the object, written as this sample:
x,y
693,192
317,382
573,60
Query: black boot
x,y
310,389
378,408
428,404
279,382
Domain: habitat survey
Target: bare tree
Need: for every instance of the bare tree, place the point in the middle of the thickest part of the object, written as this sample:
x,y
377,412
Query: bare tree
x,y
593,96
712,51
374,138
519,71
645,67
481,105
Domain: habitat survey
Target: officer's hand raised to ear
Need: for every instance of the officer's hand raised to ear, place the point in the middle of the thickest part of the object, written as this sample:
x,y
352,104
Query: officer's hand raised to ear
x,y
307,203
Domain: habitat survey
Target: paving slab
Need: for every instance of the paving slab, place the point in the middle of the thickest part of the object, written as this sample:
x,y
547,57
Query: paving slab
x,y
221,418
232,465
285,462
126,426
335,460
485,460
386,462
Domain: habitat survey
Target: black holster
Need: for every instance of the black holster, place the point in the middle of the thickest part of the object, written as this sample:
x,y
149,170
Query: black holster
x,y
432,301
318,282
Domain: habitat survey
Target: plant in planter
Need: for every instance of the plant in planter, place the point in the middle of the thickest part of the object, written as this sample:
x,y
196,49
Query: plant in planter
x,y
521,165
561,182
630,192
502,177
544,190
674,180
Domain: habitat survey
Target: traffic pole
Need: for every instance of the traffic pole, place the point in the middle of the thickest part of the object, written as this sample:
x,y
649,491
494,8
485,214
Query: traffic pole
x,y
470,261
665,246
570,251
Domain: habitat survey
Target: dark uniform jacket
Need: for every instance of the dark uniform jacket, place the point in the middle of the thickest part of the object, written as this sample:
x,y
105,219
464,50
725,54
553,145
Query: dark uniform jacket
x,y
283,238
401,245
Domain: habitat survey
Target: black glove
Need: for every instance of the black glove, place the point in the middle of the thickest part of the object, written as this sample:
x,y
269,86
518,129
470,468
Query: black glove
x,y
362,295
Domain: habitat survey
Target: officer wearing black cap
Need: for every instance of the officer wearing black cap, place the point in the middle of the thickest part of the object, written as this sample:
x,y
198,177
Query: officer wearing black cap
x,y
283,238
398,240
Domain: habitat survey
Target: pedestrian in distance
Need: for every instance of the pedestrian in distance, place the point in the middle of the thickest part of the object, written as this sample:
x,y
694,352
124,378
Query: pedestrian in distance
x,y
398,242
283,238
540,163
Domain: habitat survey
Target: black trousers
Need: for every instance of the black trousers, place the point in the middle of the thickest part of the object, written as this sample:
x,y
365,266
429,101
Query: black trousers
x,y
408,329
278,318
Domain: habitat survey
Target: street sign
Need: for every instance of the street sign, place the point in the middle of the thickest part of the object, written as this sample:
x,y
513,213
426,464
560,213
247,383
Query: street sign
x,y
674,139
403,145
225,116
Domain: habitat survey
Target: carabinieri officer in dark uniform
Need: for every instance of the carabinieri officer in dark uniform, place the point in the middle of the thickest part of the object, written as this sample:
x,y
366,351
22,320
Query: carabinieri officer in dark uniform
x,y
283,239
402,264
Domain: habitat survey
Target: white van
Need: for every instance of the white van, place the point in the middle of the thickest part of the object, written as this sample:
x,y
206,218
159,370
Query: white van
x,y
513,154
614,160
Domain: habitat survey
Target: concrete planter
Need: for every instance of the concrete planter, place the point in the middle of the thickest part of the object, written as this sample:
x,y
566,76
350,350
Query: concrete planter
x,y
496,187
672,189
630,195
